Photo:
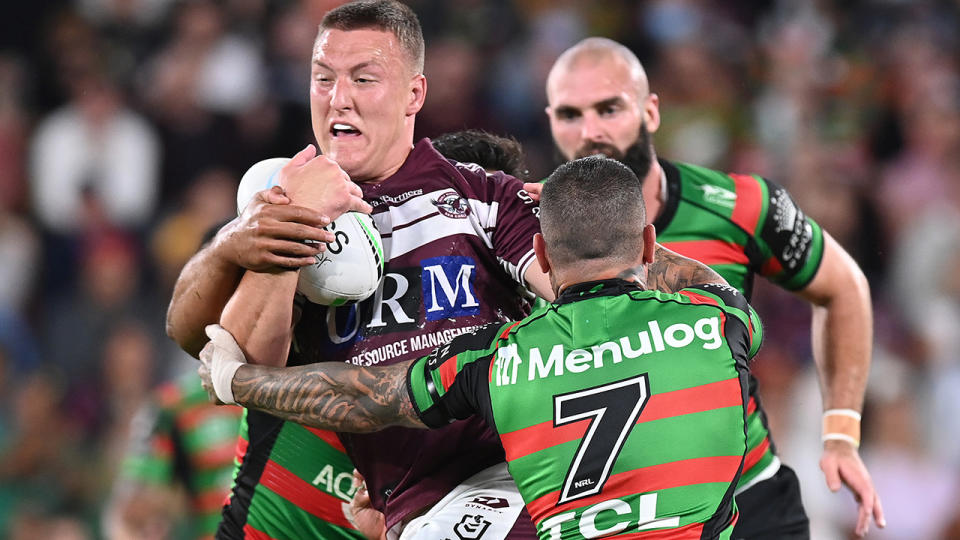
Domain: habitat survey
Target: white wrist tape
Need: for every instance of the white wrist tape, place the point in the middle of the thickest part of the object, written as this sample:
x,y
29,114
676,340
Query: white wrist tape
x,y
223,358
841,437
849,413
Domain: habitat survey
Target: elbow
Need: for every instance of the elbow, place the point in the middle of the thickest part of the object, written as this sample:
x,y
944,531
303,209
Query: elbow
x,y
854,288
191,344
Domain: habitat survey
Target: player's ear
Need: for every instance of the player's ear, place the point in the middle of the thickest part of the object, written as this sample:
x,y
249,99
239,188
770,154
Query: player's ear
x,y
651,112
418,93
649,243
540,249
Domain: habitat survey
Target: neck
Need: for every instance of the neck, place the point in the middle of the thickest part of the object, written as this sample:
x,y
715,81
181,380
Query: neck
x,y
653,191
597,271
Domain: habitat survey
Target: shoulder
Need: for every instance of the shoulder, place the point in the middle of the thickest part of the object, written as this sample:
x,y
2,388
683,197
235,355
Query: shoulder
x,y
481,339
708,186
723,296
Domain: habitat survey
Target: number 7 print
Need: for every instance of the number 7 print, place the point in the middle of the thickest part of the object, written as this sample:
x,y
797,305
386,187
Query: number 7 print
x,y
614,409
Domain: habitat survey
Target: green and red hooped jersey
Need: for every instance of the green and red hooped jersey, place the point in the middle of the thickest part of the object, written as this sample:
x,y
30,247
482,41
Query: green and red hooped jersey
x,y
621,411
180,438
741,226
296,482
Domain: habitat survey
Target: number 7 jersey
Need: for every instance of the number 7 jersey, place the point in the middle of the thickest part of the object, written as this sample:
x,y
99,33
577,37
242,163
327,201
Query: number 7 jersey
x,y
621,410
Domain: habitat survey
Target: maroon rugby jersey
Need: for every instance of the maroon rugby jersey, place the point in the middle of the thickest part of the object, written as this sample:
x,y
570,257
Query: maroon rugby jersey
x,y
457,243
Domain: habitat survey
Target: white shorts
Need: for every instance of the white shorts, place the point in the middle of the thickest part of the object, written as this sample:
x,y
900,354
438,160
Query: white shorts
x,y
484,507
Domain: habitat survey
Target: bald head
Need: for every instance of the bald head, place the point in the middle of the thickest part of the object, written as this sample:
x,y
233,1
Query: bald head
x,y
595,51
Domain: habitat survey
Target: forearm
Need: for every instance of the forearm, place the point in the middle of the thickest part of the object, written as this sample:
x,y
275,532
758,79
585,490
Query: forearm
x,y
670,272
329,395
842,334
199,296
260,316
842,327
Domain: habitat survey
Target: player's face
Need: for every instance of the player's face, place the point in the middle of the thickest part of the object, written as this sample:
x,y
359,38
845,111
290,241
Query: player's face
x,y
594,108
363,97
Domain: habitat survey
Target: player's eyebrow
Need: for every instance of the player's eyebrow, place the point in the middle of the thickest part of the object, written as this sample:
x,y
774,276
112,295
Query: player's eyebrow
x,y
361,65
616,100
568,110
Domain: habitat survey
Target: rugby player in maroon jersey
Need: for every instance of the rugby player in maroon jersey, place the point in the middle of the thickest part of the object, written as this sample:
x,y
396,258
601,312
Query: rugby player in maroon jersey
x,y
458,243
599,101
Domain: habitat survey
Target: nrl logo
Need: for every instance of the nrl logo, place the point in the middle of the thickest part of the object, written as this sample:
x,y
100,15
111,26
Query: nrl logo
x,y
452,205
719,195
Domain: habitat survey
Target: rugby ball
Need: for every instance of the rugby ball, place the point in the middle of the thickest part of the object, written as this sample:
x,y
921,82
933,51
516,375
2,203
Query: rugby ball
x,y
350,268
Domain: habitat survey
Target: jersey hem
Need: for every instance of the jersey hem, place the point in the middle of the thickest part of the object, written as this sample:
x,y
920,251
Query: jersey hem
x,y
767,473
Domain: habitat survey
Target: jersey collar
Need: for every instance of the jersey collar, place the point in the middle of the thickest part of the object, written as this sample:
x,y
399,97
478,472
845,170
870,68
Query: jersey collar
x,y
593,289
671,197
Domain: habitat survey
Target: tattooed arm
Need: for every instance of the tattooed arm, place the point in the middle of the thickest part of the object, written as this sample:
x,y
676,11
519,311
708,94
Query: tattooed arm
x,y
329,395
670,272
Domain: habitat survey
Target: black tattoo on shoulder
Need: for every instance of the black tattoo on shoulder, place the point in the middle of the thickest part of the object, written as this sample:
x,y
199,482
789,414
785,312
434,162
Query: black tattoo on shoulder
x,y
671,272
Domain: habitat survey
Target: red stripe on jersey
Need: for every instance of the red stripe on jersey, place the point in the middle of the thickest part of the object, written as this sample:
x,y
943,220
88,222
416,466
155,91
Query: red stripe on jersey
x,y
644,480
692,400
210,500
241,449
754,456
215,456
746,211
751,406
771,267
194,416
162,445
503,335
169,394
448,372
705,397
710,252
698,298
301,493
693,531
328,437
249,533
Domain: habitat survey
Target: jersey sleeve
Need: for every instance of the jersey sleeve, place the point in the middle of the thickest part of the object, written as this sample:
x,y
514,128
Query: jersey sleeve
x,y
452,383
790,243
513,220
743,329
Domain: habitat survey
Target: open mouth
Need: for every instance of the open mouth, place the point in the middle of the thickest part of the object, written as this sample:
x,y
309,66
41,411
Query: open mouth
x,y
342,129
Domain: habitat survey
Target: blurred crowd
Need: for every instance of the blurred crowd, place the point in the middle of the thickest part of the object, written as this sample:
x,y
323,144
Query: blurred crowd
x,y
126,124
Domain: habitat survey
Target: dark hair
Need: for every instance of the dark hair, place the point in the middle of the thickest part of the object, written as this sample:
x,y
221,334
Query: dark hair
x,y
384,15
492,152
592,208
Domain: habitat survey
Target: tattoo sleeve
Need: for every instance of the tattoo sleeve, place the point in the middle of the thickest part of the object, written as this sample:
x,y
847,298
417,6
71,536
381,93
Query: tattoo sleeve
x,y
670,272
330,395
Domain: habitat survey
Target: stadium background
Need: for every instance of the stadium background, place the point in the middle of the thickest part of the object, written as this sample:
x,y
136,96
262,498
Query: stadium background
x,y
124,126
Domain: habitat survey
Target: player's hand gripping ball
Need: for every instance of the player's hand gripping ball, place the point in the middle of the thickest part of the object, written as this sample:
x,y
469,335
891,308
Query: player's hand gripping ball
x,y
350,268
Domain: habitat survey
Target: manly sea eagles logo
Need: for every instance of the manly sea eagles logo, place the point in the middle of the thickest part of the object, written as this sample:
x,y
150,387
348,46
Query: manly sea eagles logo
x,y
452,205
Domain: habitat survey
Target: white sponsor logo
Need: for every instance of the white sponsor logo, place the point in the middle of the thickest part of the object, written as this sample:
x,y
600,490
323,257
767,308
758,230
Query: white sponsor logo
x,y
785,212
556,362
395,200
340,485
644,518
789,218
719,195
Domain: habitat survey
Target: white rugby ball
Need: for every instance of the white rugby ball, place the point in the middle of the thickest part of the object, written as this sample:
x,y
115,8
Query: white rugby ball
x,y
350,268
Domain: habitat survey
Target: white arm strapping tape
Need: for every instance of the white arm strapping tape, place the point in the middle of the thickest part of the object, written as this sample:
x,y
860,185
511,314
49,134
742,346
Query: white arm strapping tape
x,y
223,358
